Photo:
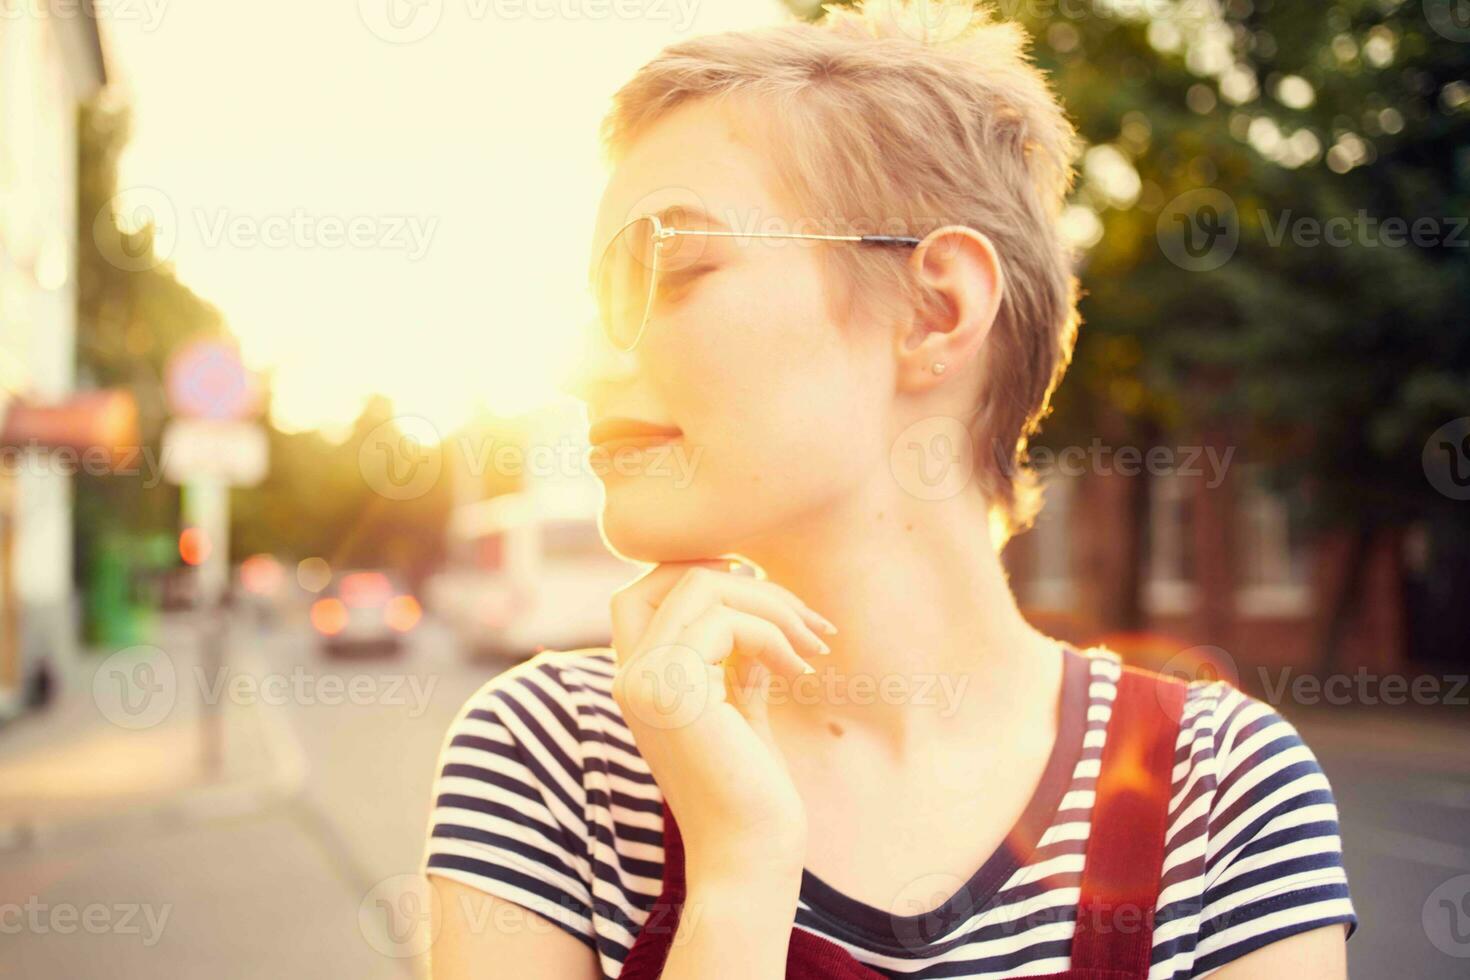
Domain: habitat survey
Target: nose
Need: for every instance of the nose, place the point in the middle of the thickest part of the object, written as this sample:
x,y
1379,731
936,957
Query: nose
x,y
597,364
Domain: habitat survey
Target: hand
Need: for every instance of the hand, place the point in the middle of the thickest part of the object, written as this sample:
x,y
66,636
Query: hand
x,y
696,645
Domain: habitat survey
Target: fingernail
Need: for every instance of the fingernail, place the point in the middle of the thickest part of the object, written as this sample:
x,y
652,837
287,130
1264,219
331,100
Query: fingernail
x,y
825,623
808,669
824,647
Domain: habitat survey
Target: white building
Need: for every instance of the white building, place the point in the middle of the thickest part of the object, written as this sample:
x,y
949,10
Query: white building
x,y
50,60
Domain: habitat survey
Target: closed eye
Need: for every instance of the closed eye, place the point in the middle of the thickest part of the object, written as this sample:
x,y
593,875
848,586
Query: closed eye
x,y
668,281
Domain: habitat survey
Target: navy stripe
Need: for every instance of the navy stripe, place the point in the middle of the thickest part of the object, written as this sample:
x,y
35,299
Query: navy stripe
x,y
562,702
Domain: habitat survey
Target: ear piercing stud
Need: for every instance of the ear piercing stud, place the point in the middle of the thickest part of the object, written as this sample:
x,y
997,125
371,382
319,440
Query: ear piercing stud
x,y
937,367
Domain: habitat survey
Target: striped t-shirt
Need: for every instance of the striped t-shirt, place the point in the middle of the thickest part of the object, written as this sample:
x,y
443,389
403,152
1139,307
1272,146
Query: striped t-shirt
x,y
543,800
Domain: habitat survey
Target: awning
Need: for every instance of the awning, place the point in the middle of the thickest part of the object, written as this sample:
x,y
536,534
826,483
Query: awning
x,y
106,418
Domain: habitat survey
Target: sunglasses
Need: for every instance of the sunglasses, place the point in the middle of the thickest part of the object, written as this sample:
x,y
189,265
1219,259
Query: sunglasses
x,y
646,250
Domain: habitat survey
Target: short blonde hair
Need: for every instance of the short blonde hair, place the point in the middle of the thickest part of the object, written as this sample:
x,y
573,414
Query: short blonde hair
x,y
871,113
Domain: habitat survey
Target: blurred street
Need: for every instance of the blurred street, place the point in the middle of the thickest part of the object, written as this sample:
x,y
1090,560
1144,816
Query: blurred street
x,y
1403,792
316,403
229,885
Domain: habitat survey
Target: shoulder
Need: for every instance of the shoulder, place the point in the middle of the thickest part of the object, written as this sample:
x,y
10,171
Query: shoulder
x,y
1223,731
549,701
510,800
565,674
1254,852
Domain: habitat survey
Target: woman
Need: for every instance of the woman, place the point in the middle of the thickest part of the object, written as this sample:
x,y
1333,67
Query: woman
x,y
950,792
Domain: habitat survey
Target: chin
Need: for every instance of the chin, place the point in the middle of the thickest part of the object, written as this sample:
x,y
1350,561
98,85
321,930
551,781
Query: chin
x,y
654,525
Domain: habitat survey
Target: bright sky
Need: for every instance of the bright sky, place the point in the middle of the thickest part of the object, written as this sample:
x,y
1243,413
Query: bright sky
x,y
387,195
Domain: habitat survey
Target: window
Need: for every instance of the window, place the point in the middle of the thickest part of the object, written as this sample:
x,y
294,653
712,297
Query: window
x,y
1272,554
1169,561
1051,585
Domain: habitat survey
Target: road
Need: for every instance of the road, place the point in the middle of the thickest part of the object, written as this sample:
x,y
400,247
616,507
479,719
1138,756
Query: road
x,y
319,883
1403,795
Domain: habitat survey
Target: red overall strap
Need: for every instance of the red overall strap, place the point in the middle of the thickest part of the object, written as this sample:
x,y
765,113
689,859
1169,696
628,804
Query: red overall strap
x,y
808,955
1125,844
1120,877
645,961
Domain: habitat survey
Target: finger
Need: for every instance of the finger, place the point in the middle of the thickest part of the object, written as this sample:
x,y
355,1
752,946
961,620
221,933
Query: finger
x,y
701,588
820,623
632,607
673,686
721,632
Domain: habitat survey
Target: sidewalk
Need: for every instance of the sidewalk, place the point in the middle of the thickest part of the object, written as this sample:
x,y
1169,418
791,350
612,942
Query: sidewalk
x,y
119,859
123,744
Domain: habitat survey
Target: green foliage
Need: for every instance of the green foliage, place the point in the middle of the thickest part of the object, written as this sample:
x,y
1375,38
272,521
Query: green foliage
x,y
1331,364
128,320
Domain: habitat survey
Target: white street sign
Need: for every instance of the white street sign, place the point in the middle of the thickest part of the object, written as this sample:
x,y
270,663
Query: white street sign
x,y
234,453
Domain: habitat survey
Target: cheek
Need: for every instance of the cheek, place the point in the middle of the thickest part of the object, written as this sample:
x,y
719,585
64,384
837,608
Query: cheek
x,y
766,384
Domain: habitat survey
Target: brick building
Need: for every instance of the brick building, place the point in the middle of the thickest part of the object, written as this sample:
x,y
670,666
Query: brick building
x,y
1215,558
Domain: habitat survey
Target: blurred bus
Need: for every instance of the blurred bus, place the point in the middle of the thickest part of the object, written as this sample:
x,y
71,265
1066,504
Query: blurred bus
x,y
526,571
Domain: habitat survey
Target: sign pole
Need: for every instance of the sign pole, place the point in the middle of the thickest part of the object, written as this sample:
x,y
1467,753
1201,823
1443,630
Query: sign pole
x,y
208,447
207,508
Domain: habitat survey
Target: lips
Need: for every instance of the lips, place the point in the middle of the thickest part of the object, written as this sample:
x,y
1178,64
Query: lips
x,y
621,431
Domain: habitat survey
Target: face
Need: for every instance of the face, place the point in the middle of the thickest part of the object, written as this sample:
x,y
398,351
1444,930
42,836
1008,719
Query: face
x,y
779,410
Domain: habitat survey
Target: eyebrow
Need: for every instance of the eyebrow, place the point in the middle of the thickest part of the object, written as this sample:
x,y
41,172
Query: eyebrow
x,y
693,214
676,215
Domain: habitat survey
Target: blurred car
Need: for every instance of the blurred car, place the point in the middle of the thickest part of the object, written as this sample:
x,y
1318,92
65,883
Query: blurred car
x,y
364,612
526,571
259,589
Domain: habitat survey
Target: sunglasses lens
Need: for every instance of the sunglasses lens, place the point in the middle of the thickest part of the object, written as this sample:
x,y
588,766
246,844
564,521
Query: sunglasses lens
x,y
625,280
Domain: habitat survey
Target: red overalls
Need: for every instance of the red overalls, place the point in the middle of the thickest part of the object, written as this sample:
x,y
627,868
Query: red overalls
x,y
1120,876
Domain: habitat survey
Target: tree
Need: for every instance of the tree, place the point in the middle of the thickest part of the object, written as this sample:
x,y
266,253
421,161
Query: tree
x,y
1217,134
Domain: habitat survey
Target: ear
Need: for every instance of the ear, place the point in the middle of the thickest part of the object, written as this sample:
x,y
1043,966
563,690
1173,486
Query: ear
x,y
962,271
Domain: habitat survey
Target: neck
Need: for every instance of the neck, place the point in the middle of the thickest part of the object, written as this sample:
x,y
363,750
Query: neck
x,y
931,643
